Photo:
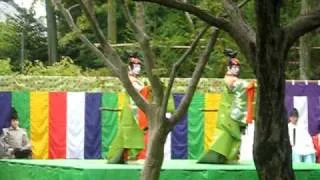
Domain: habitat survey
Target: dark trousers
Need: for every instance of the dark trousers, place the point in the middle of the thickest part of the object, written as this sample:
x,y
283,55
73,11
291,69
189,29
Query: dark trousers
x,y
22,154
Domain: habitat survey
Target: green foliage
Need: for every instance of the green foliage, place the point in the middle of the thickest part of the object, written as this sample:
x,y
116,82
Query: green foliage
x,y
65,67
166,27
70,45
8,48
213,6
97,72
290,12
23,26
5,67
34,35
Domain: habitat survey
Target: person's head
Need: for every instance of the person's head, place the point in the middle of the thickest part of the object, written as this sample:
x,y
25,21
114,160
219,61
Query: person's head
x,y
234,63
294,115
14,122
234,67
134,65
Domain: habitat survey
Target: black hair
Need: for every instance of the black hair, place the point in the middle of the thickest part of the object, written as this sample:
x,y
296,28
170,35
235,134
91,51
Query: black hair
x,y
294,113
14,113
232,57
230,53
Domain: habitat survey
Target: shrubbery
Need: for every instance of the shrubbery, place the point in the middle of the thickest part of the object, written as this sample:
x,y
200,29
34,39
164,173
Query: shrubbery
x,y
64,67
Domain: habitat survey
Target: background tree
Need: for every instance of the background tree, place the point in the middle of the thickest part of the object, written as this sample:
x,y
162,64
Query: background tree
x,y
306,41
35,43
171,32
52,33
25,35
112,21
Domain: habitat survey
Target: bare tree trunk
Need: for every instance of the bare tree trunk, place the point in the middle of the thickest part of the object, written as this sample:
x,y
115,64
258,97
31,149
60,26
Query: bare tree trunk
x,y
112,21
52,33
271,140
271,143
90,5
158,131
140,15
305,43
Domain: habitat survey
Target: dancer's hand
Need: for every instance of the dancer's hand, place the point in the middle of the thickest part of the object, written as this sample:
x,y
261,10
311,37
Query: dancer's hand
x,y
252,84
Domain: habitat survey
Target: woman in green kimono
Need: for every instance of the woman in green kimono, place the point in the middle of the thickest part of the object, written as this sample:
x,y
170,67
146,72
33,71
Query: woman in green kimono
x,y
130,138
232,116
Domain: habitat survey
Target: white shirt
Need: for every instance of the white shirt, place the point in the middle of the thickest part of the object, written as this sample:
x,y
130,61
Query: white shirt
x,y
303,144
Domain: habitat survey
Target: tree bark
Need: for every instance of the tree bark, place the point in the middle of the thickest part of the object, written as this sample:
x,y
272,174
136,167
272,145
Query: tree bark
x,y
272,150
90,5
112,21
158,131
271,143
140,15
52,33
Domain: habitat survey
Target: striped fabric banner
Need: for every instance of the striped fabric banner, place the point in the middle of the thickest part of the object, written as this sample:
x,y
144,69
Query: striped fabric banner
x,y
92,143
57,125
109,122
5,112
305,97
179,136
75,125
212,101
69,125
167,147
195,127
39,123
21,102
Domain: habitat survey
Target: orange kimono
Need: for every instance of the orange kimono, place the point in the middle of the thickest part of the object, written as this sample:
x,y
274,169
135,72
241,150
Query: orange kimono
x,y
316,143
143,123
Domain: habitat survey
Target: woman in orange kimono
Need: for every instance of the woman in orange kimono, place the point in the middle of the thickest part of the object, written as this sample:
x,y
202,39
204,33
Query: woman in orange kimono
x,y
316,143
130,137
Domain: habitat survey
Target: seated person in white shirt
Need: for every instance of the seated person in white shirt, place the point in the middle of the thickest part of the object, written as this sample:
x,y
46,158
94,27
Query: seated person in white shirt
x,y
14,141
302,147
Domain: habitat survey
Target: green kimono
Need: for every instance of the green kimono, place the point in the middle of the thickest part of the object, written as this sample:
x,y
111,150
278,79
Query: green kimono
x,y
129,135
230,121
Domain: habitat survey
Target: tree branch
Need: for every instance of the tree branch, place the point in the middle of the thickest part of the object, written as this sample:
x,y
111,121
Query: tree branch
x,y
73,6
108,50
301,26
188,17
94,24
133,93
243,3
245,42
144,42
200,13
245,35
82,37
175,69
186,100
120,71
